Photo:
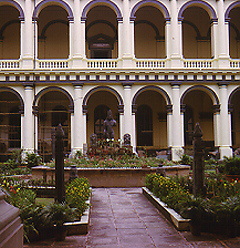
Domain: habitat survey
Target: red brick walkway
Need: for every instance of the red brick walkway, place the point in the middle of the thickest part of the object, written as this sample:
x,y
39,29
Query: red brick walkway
x,y
123,218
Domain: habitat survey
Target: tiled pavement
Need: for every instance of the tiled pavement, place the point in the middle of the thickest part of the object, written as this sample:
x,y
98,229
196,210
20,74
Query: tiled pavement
x,y
123,218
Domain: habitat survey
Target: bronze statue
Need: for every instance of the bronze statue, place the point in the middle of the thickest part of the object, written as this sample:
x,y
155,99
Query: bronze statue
x,y
109,123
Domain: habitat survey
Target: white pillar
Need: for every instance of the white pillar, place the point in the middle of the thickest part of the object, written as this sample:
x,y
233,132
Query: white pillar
x,y
79,133
71,39
168,38
225,127
214,40
175,39
78,37
177,128
79,56
128,117
27,37
127,36
223,36
28,120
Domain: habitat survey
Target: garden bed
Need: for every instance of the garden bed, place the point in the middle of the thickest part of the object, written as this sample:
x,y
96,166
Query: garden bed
x,y
81,226
112,177
179,223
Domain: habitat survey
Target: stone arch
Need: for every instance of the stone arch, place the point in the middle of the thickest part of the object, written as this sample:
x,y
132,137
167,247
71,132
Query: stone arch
x,y
160,6
21,107
61,3
232,94
206,6
16,5
103,88
209,91
44,30
153,88
53,88
105,2
230,7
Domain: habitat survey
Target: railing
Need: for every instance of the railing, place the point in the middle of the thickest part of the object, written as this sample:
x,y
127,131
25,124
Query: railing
x,y
150,63
102,63
58,64
9,64
234,63
197,63
53,64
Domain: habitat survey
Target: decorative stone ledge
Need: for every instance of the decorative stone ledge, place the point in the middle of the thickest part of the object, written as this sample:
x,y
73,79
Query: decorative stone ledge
x,y
179,223
11,228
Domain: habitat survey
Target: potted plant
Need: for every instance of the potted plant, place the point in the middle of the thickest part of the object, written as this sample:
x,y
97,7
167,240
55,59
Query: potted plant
x,y
58,214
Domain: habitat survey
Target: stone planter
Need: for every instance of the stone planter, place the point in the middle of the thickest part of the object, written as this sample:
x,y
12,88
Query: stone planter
x,y
179,223
112,177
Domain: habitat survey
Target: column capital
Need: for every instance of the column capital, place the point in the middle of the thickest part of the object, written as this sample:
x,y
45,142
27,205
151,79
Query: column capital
x,y
134,108
127,85
169,108
220,84
175,84
77,85
216,108
28,84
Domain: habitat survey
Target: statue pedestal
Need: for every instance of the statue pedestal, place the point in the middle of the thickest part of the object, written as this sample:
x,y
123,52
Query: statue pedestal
x,y
11,228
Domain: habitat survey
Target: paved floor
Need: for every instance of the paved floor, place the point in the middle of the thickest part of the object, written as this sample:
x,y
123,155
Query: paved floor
x,y
123,218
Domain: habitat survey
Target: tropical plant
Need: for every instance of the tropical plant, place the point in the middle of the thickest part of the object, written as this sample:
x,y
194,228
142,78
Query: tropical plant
x,y
33,159
59,213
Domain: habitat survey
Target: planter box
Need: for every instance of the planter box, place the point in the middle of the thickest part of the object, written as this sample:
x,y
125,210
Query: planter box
x,y
179,223
112,177
80,227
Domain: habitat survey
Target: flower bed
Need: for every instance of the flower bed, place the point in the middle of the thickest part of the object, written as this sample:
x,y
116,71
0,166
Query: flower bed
x,y
40,221
218,212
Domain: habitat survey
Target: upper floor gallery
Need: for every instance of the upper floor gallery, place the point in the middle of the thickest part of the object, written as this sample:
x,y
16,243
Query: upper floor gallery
x,y
105,34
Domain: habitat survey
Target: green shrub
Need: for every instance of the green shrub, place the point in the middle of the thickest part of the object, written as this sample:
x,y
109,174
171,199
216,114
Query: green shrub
x,y
77,192
33,159
231,166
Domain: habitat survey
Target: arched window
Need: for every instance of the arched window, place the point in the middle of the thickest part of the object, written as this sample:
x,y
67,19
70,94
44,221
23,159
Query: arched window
x,y
144,120
100,114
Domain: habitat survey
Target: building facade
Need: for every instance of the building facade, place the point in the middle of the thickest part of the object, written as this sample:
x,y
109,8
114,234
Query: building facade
x,y
160,66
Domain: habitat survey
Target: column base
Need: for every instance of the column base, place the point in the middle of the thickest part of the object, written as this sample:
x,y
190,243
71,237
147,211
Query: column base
x,y
177,152
225,151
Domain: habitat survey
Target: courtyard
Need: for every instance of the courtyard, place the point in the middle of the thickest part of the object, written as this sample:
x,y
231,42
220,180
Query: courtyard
x,y
124,218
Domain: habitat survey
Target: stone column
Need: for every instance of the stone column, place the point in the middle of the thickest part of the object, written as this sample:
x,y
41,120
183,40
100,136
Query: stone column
x,y
127,128
177,127
214,40
28,120
225,126
126,37
175,39
78,134
81,46
134,128
28,34
71,38
78,36
169,125
223,36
